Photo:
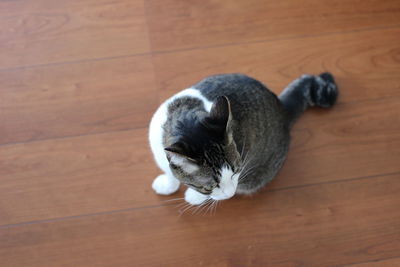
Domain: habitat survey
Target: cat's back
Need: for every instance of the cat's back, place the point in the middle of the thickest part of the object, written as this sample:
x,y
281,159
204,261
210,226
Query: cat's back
x,y
234,84
251,100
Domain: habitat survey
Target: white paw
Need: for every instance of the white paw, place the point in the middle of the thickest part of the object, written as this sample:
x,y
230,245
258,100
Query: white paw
x,y
164,185
195,198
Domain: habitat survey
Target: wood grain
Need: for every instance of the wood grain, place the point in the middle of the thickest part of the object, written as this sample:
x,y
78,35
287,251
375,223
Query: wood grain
x,y
365,66
113,171
46,31
351,140
178,24
322,225
379,263
79,81
74,176
75,99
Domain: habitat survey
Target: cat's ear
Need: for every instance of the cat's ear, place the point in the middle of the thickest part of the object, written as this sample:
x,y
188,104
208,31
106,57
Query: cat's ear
x,y
221,114
221,110
177,148
177,155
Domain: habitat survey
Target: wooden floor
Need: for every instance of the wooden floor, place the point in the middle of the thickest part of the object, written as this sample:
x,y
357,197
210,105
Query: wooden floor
x,y
80,79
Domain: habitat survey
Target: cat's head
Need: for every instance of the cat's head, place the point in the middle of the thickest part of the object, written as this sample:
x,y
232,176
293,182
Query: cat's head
x,y
204,155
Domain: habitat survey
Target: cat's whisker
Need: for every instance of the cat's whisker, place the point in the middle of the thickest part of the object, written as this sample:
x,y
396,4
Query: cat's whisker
x,y
244,144
245,176
199,206
207,206
182,204
210,200
178,206
245,168
174,199
215,207
250,170
246,161
242,176
211,207
187,208
198,210
247,172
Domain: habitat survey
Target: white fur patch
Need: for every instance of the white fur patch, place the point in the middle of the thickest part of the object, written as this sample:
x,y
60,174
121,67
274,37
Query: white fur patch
x,y
156,131
195,198
165,185
227,185
190,168
184,163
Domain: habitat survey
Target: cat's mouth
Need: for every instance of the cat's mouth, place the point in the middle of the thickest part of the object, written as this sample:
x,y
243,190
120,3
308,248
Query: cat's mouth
x,y
222,195
226,190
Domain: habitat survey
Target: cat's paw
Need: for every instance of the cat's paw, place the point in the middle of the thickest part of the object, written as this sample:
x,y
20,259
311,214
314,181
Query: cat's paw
x,y
164,185
195,198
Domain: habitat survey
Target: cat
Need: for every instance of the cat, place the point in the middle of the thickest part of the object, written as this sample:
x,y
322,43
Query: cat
x,y
228,134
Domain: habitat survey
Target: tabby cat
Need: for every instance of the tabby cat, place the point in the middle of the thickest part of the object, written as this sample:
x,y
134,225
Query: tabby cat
x,y
229,134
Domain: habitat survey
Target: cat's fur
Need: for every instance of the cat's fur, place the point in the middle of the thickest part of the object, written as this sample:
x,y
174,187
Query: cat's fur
x,y
229,134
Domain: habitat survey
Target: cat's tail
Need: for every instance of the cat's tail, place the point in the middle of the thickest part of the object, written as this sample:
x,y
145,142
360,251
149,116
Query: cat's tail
x,y
307,91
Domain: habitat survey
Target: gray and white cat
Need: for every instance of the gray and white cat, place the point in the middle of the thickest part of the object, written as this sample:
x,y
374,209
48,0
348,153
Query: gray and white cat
x,y
228,134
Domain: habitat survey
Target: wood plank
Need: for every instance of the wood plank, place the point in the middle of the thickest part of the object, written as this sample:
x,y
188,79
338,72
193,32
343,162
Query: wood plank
x,y
113,171
46,31
322,225
175,24
365,66
379,263
350,140
74,99
74,176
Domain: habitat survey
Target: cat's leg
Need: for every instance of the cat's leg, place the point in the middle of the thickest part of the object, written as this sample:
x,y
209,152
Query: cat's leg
x,y
195,198
308,90
165,184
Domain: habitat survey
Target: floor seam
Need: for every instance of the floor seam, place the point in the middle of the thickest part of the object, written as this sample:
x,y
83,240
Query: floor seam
x,y
7,226
146,126
156,52
362,262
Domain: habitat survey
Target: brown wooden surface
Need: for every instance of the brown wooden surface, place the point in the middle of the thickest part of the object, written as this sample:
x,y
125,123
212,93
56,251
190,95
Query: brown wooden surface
x,y
354,221
378,263
79,82
181,24
49,32
74,99
365,60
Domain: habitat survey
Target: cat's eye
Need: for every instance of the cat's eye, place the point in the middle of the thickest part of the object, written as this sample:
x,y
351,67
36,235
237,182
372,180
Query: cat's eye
x,y
205,191
202,189
195,186
173,166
